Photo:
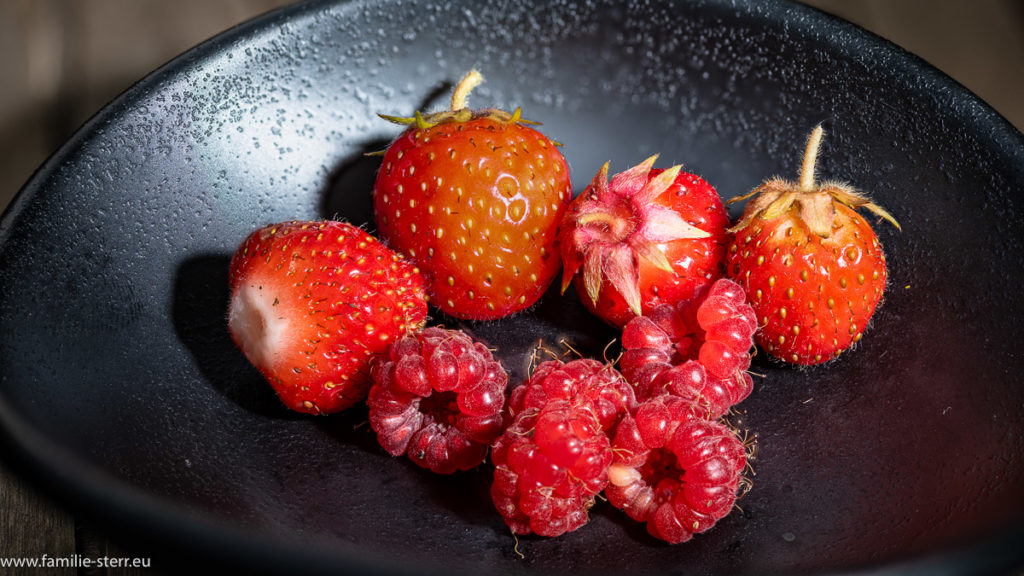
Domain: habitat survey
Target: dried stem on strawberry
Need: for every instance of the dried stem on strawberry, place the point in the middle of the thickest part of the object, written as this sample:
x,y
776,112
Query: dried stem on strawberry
x,y
814,201
458,110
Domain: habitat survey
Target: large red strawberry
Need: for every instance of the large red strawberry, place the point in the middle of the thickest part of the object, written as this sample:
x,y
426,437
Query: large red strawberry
x,y
812,267
313,303
645,238
474,197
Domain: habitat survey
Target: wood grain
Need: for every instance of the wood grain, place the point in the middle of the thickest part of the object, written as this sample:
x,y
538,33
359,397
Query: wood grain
x,y
31,524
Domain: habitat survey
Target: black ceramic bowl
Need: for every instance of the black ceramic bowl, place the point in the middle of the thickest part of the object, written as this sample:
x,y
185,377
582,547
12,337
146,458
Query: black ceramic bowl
x,y
120,388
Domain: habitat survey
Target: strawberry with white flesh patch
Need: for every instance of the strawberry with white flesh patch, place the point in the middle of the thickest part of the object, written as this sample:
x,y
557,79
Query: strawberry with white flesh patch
x,y
645,238
314,303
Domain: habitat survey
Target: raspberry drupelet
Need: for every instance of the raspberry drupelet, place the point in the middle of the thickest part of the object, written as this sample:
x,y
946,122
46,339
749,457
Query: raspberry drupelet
x,y
439,398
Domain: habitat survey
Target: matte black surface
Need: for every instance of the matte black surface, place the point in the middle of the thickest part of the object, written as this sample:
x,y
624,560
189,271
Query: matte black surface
x,y
121,391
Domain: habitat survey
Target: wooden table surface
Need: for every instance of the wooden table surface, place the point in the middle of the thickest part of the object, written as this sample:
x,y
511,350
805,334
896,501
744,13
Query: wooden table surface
x,y
69,57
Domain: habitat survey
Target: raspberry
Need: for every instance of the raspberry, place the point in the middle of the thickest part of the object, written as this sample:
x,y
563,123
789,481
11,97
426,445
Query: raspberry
x,y
715,329
548,467
691,381
584,379
553,460
438,397
674,470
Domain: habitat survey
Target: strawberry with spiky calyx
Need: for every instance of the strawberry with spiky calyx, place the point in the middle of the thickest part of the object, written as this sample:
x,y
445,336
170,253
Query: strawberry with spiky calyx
x,y
811,265
474,197
645,238
314,303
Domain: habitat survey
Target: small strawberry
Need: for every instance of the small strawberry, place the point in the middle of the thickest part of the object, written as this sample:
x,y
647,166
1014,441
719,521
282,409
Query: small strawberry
x,y
474,197
812,267
646,238
313,303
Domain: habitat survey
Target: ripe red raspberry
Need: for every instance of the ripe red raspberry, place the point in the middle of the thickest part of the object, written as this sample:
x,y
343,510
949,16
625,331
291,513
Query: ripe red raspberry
x,y
674,470
691,381
438,397
548,467
715,329
584,379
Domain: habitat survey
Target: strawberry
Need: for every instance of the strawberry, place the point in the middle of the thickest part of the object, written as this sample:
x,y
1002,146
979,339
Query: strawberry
x,y
646,238
313,303
812,267
474,197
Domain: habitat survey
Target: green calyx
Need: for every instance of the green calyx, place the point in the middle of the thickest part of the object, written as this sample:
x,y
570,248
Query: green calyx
x,y
422,121
458,111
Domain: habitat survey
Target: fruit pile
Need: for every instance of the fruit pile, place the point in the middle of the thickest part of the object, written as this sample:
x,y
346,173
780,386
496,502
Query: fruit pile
x,y
475,215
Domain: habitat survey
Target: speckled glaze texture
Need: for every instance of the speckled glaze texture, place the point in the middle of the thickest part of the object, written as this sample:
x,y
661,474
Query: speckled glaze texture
x,y
122,393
